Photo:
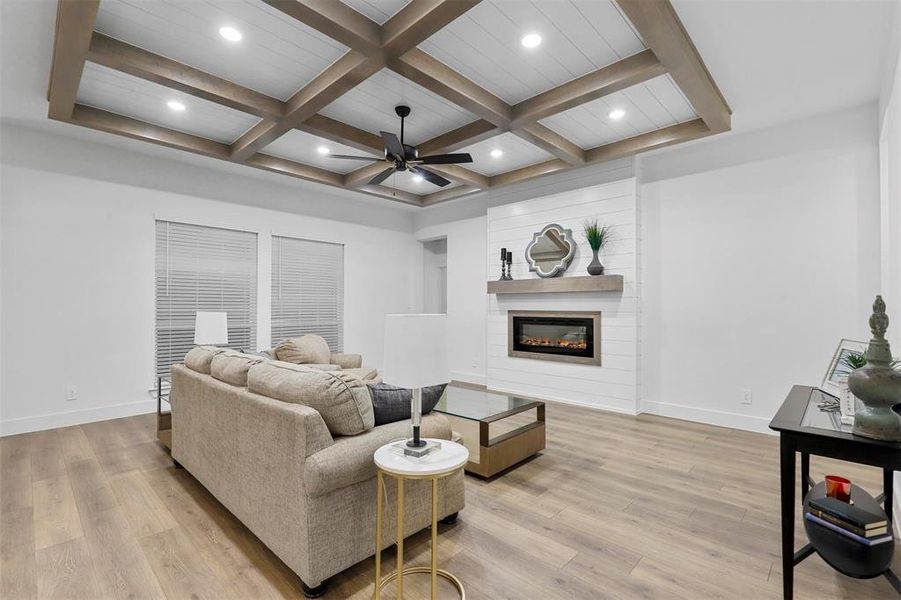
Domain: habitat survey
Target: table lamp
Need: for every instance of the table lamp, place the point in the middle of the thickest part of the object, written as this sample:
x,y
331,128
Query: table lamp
x,y
416,357
211,328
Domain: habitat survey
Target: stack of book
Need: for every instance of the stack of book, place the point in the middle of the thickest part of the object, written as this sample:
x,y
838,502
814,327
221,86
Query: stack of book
x,y
850,521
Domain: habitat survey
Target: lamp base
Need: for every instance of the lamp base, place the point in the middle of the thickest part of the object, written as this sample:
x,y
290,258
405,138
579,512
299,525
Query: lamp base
x,y
414,443
406,450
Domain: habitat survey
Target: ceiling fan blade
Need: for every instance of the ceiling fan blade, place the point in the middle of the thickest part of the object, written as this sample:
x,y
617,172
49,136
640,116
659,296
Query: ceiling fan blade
x,y
444,159
370,158
430,177
393,144
381,176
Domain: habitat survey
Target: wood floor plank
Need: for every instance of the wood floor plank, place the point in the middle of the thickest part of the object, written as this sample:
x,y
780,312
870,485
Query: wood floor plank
x,y
178,568
66,571
146,513
56,517
17,568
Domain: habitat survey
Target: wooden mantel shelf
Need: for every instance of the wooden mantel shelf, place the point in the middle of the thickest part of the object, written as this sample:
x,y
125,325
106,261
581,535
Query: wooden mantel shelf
x,y
600,283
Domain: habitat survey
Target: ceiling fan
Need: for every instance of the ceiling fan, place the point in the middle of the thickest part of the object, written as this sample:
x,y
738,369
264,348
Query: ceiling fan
x,y
402,157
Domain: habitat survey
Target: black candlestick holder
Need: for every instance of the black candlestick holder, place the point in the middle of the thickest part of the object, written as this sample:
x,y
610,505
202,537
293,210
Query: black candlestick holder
x,y
507,275
503,276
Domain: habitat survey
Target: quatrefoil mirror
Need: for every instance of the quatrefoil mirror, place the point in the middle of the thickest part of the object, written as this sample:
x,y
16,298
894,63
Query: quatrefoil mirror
x,y
550,251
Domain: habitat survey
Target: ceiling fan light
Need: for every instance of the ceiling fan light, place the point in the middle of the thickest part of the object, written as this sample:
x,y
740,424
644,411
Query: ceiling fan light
x,y
531,40
418,178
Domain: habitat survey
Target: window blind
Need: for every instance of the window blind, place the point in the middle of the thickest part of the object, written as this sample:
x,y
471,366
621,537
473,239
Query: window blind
x,y
307,290
202,269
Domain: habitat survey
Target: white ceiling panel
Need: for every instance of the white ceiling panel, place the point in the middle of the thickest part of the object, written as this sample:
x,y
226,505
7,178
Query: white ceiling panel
x,y
651,105
130,96
277,56
404,181
517,153
304,147
578,36
370,106
377,10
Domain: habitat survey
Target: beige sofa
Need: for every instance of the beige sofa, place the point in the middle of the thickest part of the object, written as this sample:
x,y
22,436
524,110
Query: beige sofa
x,y
306,493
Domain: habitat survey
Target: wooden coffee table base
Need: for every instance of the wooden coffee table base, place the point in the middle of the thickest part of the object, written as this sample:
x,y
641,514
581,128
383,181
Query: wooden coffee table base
x,y
493,455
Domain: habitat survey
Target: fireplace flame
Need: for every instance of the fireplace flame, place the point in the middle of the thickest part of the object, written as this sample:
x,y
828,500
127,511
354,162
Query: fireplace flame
x,y
554,343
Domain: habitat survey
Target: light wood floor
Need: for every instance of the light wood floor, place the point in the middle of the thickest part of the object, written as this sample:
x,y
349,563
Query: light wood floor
x,y
616,507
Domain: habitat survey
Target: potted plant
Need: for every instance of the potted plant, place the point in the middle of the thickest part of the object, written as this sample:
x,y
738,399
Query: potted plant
x,y
597,237
846,363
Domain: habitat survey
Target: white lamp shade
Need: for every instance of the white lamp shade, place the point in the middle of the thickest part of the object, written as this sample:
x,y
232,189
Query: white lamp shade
x,y
211,328
415,350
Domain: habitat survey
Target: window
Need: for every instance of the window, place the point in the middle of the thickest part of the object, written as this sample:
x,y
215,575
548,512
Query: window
x,y
307,290
202,269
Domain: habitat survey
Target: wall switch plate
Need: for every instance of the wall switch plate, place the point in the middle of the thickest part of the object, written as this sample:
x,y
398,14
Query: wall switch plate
x,y
71,393
746,397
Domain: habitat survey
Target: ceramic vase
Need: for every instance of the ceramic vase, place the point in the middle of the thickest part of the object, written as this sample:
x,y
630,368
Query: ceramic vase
x,y
595,267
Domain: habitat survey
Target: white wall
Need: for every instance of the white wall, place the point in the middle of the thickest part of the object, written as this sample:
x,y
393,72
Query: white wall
x,y
77,276
466,298
760,253
614,384
434,270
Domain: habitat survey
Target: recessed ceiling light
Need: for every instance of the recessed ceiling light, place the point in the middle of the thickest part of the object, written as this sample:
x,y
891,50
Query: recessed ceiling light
x,y
531,40
322,150
231,34
617,114
497,153
417,178
175,105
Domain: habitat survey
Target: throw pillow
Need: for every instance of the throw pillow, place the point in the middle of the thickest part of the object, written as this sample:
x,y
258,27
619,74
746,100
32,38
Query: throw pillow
x,y
200,358
307,349
391,403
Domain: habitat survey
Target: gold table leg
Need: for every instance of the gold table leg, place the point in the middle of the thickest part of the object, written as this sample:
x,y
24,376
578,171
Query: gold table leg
x,y
379,490
400,538
399,573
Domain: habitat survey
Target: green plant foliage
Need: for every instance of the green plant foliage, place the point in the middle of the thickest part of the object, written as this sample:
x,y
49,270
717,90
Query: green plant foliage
x,y
596,236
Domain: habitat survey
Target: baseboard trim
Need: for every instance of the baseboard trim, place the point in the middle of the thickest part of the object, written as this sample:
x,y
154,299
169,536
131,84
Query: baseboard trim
x,y
75,417
708,416
466,377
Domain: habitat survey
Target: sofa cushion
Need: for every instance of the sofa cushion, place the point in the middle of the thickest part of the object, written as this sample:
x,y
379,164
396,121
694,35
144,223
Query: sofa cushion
x,y
231,367
342,400
307,349
323,367
391,403
367,374
349,459
199,358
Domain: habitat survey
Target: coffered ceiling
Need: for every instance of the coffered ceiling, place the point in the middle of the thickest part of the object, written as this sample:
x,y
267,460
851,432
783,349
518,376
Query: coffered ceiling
x,y
312,78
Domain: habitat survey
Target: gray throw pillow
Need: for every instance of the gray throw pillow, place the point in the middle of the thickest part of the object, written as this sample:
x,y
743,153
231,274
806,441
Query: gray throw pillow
x,y
391,403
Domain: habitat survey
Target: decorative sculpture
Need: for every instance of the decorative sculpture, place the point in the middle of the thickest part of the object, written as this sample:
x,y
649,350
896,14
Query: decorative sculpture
x,y
877,385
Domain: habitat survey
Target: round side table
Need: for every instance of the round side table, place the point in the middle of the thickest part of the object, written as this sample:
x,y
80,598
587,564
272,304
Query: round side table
x,y
442,463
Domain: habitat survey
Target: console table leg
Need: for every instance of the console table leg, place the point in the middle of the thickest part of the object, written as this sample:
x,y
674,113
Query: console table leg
x,y
805,474
787,484
887,487
893,580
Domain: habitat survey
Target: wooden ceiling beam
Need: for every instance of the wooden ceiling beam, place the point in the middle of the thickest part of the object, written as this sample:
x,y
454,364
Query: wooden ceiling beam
x,y
74,27
392,194
418,21
295,169
343,133
461,137
612,78
530,172
450,194
461,175
437,77
126,58
336,20
101,120
360,177
660,138
659,26
550,141
344,74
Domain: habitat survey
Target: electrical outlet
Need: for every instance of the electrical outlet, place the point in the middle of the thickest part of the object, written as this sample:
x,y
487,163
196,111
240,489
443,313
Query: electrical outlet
x,y
71,393
746,397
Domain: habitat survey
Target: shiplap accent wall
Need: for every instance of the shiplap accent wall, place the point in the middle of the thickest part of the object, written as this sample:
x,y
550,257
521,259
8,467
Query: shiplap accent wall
x,y
615,384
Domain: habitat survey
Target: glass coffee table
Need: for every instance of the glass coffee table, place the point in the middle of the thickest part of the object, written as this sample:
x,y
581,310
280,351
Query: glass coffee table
x,y
499,430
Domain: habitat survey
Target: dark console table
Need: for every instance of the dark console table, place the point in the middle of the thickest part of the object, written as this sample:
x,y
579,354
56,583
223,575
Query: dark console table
x,y
804,428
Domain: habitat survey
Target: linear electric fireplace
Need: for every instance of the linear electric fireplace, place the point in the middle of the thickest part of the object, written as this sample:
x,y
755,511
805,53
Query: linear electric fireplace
x,y
565,336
